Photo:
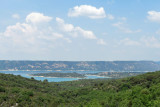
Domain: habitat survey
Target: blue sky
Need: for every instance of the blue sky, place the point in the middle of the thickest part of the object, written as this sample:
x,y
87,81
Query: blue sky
x,y
80,30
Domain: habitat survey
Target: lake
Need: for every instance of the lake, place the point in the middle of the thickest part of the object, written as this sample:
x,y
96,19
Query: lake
x,y
53,79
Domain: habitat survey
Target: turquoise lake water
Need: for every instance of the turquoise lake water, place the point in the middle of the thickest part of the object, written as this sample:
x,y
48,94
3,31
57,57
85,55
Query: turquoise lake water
x,y
53,79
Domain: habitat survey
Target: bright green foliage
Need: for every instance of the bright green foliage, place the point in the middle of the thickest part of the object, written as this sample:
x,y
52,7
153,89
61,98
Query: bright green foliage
x,y
138,91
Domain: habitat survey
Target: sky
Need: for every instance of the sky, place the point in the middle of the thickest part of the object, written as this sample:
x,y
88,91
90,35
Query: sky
x,y
80,30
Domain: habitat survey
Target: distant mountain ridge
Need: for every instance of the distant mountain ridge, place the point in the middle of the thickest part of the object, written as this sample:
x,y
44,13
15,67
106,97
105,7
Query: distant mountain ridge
x,y
81,65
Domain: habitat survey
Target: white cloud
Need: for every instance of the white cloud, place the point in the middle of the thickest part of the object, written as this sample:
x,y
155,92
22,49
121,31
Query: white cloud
x,y
16,16
64,26
124,29
31,35
89,11
74,31
24,34
85,33
154,16
37,18
69,29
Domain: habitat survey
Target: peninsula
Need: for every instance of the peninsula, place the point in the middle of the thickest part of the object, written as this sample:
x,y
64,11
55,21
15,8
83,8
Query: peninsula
x,y
62,75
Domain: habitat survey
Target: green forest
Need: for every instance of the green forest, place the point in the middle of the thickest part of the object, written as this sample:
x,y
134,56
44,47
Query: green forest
x,y
138,91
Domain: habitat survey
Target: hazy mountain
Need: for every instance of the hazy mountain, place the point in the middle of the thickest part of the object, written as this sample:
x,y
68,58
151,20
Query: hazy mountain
x,y
81,65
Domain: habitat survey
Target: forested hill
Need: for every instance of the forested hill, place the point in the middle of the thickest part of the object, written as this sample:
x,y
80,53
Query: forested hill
x,y
139,91
81,65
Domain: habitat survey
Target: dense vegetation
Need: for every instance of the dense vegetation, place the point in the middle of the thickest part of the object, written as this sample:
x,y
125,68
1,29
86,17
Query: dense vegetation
x,y
58,74
80,65
139,91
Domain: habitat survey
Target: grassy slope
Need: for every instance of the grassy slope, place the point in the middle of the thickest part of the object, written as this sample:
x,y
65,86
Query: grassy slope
x,y
139,91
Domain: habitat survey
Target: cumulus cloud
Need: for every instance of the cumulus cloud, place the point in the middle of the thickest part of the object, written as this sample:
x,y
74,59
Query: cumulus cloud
x,y
64,26
24,34
74,31
31,35
16,16
85,33
89,11
37,34
121,26
37,18
69,29
154,16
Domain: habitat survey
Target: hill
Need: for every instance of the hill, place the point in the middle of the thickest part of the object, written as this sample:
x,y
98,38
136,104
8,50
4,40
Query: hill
x,y
139,91
80,65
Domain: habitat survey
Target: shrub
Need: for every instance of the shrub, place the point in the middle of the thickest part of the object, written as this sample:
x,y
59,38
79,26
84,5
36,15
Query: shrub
x,y
2,89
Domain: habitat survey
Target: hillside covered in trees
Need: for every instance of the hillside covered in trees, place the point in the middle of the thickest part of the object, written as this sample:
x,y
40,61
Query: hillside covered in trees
x,y
80,65
139,91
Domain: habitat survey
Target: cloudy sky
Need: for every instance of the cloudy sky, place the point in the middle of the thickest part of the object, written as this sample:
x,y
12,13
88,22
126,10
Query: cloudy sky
x,y
76,30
